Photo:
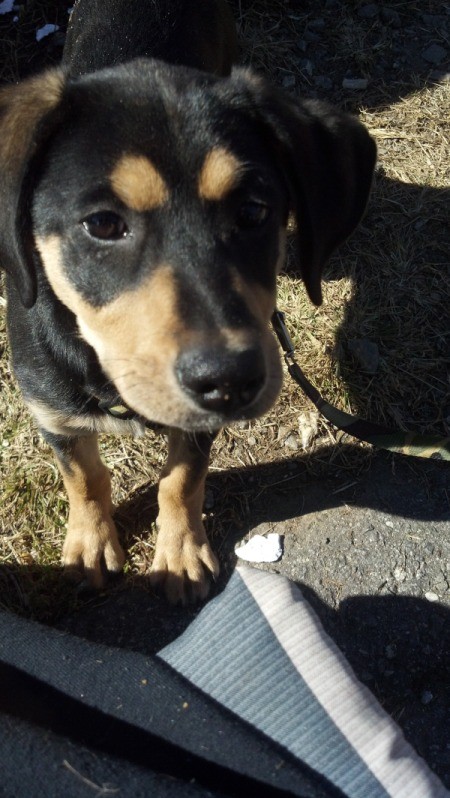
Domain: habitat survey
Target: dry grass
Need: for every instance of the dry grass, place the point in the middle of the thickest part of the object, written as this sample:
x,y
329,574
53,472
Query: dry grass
x,y
389,283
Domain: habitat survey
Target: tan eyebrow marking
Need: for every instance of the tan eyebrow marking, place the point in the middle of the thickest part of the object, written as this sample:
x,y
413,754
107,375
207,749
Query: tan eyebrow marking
x,y
137,182
219,174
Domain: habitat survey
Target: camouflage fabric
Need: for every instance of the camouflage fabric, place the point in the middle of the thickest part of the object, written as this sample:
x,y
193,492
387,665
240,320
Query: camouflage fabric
x,y
409,443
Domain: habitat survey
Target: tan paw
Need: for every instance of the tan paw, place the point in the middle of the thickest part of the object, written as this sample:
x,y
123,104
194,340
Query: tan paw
x,y
88,549
183,567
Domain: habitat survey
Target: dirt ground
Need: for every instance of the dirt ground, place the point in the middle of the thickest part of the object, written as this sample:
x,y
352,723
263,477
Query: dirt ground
x,y
366,538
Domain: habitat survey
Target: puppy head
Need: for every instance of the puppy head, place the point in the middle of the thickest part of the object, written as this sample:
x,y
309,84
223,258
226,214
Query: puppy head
x,y
157,199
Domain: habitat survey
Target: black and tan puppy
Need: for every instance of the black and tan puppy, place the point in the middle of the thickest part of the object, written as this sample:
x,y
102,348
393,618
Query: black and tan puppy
x,y
142,223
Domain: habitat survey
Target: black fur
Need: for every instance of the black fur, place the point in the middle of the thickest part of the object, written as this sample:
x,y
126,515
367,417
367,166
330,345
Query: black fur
x,y
300,157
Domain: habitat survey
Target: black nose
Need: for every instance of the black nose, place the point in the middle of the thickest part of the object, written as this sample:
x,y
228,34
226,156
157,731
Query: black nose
x,y
221,379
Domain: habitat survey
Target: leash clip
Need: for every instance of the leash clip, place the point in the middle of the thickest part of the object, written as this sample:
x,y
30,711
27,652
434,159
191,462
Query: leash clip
x,y
283,336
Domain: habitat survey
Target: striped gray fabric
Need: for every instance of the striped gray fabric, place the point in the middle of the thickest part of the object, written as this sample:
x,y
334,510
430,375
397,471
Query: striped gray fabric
x,y
260,650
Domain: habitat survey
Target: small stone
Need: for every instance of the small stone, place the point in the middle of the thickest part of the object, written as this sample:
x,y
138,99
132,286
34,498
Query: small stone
x,y
46,30
399,574
369,11
6,6
390,524
431,596
355,84
426,697
434,54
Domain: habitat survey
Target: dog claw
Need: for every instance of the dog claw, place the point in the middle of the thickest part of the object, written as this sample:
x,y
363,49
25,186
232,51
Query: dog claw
x,y
89,555
184,575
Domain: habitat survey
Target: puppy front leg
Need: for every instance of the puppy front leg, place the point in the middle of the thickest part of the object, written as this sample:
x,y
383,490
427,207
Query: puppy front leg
x,y
183,560
91,538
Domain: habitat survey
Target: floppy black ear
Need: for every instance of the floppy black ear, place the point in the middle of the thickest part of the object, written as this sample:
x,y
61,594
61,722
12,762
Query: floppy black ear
x,y
27,117
328,159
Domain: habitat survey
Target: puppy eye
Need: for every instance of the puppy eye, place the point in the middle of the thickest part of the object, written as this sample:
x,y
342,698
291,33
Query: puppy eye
x,y
252,214
106,225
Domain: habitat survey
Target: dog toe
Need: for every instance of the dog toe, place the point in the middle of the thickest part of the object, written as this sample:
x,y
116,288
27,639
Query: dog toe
x,y
86,551
184,572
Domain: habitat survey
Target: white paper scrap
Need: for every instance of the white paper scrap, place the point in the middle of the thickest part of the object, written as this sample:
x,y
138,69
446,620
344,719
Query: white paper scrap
x,y
261,549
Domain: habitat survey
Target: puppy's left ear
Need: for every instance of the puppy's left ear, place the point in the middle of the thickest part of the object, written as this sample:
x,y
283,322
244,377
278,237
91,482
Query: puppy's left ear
x,y
28,116
328,158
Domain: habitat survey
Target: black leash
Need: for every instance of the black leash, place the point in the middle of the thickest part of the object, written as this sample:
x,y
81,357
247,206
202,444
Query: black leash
x,y
410,443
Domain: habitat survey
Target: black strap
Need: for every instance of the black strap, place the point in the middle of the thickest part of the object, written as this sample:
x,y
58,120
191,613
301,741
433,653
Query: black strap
x,y
409,443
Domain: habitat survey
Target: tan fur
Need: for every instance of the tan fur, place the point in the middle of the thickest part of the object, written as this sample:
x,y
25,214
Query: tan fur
x,y
183,555
258,299
137,182
219,174
139,335
21,108
91,532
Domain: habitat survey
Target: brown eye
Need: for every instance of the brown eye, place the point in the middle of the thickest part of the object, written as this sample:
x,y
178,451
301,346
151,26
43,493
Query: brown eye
x,y
106,225
252,214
